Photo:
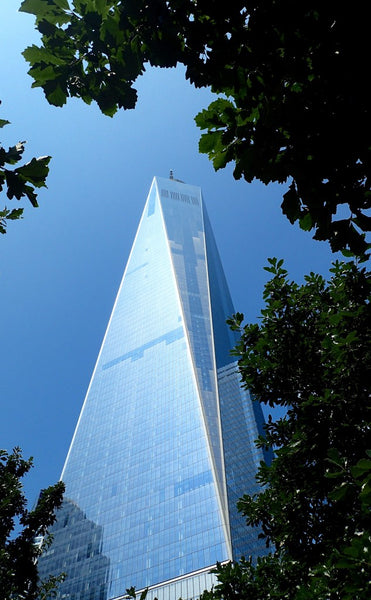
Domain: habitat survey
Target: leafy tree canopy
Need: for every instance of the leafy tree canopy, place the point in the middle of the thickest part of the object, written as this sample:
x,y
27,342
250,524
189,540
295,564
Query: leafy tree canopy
x,y
18,554
21,180
293,103
311,354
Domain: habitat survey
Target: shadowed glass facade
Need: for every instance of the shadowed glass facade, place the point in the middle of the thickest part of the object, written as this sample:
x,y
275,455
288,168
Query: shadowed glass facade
x,y
164,445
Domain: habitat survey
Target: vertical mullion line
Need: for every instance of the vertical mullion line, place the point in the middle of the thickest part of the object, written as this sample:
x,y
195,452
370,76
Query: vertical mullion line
x,y
224,482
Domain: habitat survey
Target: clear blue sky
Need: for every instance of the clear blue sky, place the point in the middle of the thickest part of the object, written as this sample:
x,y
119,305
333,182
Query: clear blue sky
x,y
61,265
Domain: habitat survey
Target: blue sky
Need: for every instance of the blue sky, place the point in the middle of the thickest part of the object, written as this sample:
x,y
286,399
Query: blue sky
x,y
62,264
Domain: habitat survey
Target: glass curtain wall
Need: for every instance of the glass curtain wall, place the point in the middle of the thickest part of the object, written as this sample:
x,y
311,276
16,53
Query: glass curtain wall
x,y
164,443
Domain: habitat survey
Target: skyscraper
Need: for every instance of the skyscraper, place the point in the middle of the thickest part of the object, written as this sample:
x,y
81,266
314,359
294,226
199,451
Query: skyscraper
x,y
164,444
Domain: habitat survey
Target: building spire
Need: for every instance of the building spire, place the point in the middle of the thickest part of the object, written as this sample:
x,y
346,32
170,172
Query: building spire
x,y
171,176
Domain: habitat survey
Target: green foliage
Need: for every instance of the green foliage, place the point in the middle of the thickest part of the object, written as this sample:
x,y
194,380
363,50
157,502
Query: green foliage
x,y
94,51
270,578
132,593
294,97
18,553
22,180
311,354
298,111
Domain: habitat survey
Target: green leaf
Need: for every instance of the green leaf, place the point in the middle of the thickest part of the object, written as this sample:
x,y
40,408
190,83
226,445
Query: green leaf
x,y
362,466
14,154
213,115
306,222
220,159
43,74
35,171
291,204
210,142
347,253
54,94
4,122
16,213
102,6
34,55
43,7
351,337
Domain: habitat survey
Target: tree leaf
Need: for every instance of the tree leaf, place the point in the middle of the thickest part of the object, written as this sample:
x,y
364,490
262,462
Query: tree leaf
x,y
43,7
35,171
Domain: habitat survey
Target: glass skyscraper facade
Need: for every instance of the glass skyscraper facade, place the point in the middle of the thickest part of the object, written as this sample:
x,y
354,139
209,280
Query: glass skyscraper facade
x,y
164,444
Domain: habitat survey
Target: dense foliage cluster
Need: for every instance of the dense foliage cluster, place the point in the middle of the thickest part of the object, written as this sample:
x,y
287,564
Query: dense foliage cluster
x,y
293,103
21,180
19,551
